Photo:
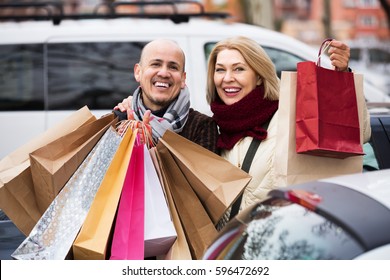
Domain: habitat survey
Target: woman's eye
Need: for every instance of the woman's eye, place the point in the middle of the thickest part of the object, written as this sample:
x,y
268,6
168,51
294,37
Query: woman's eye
x,y
219,70
239,69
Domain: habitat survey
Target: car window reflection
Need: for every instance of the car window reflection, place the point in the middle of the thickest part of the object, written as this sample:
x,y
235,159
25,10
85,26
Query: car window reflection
x,y
281,230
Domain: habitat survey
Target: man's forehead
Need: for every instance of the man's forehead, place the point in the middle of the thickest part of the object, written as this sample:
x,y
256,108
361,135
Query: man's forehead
x,y
161,58
165,51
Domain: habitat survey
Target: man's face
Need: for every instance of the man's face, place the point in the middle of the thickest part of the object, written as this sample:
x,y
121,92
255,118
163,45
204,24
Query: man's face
x,y
160,74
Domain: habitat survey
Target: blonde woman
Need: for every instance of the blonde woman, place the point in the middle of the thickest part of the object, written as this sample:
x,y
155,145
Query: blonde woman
x,y
243,91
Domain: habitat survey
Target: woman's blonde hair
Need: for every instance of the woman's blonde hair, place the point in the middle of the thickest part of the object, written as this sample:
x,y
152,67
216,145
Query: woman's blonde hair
x,y
256,58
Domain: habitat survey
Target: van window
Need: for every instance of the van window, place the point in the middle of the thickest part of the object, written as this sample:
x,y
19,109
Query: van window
x,y
379,56
71,75
94,74
375,55
21,77
283,61
355,54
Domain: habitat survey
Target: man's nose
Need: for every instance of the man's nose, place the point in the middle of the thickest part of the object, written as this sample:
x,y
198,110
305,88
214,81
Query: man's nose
x,y
163,71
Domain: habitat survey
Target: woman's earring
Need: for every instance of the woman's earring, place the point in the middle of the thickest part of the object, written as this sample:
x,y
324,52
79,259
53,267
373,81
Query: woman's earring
x,y
259,81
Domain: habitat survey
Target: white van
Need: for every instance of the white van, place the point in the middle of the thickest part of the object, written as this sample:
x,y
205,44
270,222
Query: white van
x,y
47,70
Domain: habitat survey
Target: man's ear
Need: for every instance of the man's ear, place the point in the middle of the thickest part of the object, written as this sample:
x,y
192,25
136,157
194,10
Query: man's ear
x,y
183,80
137,71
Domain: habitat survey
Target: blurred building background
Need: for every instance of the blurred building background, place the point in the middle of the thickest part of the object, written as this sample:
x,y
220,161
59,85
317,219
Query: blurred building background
x,y
363,24
307,20
312,20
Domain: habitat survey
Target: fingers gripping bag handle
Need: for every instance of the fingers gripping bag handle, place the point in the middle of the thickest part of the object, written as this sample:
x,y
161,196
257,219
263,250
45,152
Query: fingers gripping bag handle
x,y
324,47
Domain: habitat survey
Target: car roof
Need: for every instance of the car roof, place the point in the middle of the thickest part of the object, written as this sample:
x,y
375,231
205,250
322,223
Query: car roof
x,y
380,139
375,184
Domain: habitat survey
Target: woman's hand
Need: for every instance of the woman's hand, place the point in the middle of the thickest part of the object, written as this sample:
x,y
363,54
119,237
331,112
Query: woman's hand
x,y
125,106
339,54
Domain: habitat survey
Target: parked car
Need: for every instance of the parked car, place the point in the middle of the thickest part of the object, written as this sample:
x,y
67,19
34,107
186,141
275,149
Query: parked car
x,y
380,142
345,217
48,70
370,54
372,59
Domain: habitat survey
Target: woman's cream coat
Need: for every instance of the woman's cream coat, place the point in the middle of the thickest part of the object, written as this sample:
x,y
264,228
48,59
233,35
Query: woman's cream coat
x,y
262,168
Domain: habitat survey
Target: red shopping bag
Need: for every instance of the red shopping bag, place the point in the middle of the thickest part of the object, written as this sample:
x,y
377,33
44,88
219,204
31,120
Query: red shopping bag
x,y
327,122
128,239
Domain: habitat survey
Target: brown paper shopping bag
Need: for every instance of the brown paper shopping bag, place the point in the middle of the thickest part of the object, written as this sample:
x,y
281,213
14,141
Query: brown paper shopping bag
x,y
17,197
217,187
198,226
293,168
92,241
53,164
179,249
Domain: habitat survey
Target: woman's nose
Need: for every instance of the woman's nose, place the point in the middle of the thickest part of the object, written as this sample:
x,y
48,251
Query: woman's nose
x,y
228,76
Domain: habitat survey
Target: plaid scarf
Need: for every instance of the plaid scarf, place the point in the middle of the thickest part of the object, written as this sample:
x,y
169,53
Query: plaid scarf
x,y
243,118
174,118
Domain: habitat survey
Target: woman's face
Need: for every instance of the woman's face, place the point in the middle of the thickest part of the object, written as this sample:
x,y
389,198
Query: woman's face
x,y
233,78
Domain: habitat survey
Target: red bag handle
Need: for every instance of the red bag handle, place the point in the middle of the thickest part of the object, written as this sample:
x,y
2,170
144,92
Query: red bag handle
x,y
323,48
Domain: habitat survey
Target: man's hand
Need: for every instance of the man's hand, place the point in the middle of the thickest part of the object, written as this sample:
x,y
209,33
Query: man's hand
x,y
143,129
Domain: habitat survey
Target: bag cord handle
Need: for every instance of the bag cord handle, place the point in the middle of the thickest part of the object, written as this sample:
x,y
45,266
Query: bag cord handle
x,y
324,46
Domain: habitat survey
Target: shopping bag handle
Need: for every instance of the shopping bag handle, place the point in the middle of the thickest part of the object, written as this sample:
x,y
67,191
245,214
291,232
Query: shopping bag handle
x,y
324,46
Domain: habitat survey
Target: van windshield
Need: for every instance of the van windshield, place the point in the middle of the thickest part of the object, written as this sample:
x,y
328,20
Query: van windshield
x,y
21,77
93,74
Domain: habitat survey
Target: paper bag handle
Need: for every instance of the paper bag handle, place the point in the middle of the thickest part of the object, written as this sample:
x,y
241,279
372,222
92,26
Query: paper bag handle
x,y
324,46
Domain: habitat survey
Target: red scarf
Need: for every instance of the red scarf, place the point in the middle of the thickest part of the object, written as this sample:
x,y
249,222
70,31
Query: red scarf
x,y
243,118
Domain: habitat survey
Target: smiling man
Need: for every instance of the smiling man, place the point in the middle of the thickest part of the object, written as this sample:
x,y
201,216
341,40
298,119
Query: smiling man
x,y
161,74
163,99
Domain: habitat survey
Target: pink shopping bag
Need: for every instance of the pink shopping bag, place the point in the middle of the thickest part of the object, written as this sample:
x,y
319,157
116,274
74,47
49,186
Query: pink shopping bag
x,y
128,239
